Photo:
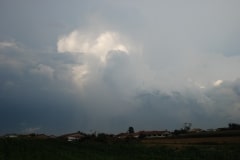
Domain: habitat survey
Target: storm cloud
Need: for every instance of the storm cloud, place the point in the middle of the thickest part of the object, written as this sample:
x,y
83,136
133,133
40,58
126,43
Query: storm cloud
x,y
104,66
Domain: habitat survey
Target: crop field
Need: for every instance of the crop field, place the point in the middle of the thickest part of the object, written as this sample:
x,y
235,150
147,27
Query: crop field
x,y
227,148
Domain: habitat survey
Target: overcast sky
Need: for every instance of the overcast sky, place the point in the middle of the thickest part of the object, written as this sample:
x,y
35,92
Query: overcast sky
x,y
104,65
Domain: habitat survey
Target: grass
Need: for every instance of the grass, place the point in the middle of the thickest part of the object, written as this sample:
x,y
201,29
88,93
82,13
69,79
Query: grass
x,y
51,149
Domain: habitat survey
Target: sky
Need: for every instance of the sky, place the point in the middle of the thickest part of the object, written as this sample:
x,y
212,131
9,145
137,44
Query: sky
x,y
103,65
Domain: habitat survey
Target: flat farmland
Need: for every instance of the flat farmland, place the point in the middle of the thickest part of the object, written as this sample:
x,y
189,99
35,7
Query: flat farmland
x,y
207,148
193,141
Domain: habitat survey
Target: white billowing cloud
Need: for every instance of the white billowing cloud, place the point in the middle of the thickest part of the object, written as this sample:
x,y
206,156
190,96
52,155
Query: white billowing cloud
x,y
79,73
7,44
43,70
95,55
218,82
98,45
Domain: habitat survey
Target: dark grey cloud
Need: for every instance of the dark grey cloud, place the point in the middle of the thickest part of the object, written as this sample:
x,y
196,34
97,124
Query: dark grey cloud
x,y
34,92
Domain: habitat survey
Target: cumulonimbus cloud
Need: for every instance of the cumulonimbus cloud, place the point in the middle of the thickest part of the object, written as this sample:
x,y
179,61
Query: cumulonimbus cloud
x,y
108,71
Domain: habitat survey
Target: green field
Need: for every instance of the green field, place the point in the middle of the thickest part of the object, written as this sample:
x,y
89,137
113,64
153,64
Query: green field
x,y
55,149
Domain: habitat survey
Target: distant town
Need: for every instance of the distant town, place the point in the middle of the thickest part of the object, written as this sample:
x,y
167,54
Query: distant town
x,y
233,129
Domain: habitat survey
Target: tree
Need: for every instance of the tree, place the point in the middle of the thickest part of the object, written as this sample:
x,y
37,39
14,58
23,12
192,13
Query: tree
x,y
130,130
233,126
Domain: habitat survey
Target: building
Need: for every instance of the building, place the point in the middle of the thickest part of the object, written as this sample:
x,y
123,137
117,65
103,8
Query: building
x,y
73,136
